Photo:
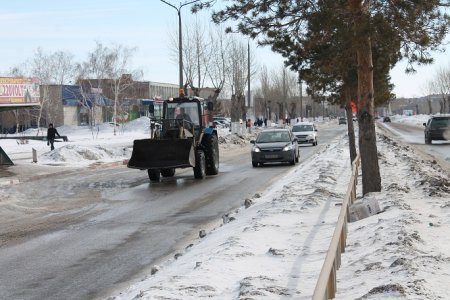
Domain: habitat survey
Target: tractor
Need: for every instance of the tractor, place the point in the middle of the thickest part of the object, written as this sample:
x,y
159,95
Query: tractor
x,y
183,136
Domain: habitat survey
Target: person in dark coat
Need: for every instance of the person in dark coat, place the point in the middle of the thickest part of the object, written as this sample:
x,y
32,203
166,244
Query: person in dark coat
x,y
51,134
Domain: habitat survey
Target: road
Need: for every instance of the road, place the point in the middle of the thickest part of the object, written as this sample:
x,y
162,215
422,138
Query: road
x,y
414,136
85,235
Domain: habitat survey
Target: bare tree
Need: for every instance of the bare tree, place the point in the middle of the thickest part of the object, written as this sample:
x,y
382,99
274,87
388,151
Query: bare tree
x,y
121,76
106,71
48,68
195,54
279,88
91,75
430,88
265,91
442,84
237,78
217,62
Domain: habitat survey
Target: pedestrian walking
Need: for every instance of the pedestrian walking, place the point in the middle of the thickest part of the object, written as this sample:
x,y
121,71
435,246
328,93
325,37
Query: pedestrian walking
x,y
51,134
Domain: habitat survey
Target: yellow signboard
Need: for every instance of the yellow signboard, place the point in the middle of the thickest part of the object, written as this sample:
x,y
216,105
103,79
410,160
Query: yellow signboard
x,y
19,91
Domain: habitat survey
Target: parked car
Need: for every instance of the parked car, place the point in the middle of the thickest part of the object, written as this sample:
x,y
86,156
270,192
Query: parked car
x,y
437,128
386,120
275,145
221,124
342,120
305,132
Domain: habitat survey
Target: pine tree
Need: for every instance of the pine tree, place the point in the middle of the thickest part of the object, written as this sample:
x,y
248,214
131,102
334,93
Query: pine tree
x,y
378,31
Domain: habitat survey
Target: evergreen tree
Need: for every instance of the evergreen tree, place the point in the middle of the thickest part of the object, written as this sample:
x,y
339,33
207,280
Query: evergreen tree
x,y
377,31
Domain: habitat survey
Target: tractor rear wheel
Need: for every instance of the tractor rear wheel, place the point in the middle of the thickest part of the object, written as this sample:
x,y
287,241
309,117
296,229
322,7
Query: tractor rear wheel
x,y
200,165
212,154
154,175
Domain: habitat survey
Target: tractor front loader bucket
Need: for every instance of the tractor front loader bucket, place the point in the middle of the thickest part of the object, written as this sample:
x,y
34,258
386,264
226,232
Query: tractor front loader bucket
x,y
162,153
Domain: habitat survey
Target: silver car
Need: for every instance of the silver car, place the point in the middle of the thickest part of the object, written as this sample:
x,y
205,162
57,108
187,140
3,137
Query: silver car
x,y
306,133
275,145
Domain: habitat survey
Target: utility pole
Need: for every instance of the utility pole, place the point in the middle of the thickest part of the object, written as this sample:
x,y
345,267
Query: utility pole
x,y
248,71
301,94
180,38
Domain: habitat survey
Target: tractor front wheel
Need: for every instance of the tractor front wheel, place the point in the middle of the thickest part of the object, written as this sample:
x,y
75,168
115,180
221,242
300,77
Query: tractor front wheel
x,y
212,154
200,165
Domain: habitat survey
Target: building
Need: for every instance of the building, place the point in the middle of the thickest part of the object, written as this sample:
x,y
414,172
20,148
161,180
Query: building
x,y
94,101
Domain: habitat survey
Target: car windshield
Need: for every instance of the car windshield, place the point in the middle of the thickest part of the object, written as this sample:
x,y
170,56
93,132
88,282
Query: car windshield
x,y
273,137
303,127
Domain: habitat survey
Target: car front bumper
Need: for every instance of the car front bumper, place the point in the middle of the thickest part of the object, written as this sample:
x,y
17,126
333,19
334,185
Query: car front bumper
x,y
273,156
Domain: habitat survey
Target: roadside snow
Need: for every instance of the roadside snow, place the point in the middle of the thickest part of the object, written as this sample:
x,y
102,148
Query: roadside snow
x,y
274,249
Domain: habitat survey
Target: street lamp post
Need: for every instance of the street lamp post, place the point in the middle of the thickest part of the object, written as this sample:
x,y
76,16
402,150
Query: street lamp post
x,y
248,72
180,38
301,95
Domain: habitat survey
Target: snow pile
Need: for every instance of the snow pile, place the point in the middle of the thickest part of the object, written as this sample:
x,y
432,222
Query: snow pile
x,y
273,247
404,252
417,120
85,155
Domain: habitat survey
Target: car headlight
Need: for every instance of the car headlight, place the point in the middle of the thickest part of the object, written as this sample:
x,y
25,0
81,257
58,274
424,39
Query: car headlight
x,y
288,148
256,149
310,136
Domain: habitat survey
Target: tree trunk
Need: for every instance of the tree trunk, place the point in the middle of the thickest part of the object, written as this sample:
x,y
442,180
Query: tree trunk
x,y
371,179
351,128
234,109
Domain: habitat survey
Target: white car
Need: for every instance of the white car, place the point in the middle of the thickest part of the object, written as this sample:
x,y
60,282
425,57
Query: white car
x,y
306,133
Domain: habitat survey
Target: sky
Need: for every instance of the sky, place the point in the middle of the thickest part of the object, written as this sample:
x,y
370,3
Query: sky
x,y
75,26
274,248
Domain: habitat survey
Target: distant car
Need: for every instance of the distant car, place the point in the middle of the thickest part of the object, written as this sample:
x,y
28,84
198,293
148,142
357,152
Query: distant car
x,y
386,120
222,121
342,120
437,128
275,145
221,124
305,132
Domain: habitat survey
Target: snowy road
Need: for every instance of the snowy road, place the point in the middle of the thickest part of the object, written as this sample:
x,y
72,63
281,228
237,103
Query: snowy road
x,y
413,134
80,235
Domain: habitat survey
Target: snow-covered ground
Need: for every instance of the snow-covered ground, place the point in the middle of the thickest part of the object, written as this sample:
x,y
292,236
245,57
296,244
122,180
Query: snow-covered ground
x,y
274,248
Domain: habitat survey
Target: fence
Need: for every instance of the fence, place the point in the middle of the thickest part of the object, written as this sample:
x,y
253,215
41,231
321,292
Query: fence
x,y
326,284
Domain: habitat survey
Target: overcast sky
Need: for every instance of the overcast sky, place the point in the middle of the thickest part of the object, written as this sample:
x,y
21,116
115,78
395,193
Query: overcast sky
x,y
75,26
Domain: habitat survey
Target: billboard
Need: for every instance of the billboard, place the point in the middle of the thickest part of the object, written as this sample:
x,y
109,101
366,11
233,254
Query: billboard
x,y
19,91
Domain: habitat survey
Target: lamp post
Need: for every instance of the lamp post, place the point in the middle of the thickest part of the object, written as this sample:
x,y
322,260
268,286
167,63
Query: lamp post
x,y
301,95
180,39
248,73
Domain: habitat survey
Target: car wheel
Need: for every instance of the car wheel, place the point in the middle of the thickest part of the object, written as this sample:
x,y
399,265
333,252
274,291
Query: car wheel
x,y
154,175
292,162
254,164
168,172
428,140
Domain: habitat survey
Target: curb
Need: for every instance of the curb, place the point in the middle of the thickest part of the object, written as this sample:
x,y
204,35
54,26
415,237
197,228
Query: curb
x,y
10,181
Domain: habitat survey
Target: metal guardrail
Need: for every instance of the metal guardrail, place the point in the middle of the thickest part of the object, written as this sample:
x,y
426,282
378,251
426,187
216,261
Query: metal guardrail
x,y
326,284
